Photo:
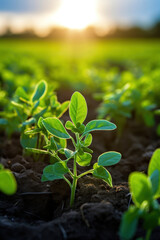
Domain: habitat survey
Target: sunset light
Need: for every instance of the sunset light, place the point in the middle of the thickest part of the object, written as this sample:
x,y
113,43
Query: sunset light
x,y
75,14
79,119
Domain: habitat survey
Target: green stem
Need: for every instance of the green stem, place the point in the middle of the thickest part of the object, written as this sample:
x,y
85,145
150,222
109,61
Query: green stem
x,y
74,143
85,173
148,234
73,191
71,173
68,182
56,156
74,183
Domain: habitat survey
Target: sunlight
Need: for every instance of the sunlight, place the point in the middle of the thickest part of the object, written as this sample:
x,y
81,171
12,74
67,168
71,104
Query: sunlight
x,y
76,14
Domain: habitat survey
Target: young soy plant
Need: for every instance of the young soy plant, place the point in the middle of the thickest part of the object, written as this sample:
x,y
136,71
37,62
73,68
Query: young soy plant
x,y
24,109
27,108
144,190
56,134
117,106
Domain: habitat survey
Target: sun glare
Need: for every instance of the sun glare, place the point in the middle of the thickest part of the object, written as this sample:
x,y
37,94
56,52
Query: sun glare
x,y
76,14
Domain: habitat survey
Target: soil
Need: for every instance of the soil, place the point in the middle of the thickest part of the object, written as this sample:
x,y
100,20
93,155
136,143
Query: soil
x,y
41,210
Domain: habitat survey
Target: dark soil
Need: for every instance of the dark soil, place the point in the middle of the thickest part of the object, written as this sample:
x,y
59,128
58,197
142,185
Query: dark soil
x,y
41,210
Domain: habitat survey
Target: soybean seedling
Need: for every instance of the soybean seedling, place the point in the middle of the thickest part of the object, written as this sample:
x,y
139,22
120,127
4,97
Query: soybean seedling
x,y
26,110
117,106
126,103
56,135
145,191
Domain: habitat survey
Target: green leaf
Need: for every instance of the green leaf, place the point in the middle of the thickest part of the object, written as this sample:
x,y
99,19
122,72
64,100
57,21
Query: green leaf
x,y
29,141
68,153
154,178
44,178
21,93
8,183
69,125
109,158
41,126
140,188
95,125
33,131
88,140
62,109
129,223
60,142
155,165
29,121
77,108
151,220
84,159
25,101
80,128
34,107
55,171
86,149
17,105
53,102
40,91
55,127
41,113
52,145
102,173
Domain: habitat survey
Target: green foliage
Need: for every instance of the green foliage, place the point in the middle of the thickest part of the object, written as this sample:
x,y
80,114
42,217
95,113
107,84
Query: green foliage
x,y
77,109
27,109
55,127
102,173
95,125
144,190
154,165
56,135
109,159
8,183
140,187
124,78
129,223
55,171
40,91
126,103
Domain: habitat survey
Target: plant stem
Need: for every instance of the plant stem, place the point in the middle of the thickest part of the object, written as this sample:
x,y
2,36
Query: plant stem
x,y
68,182
73,190
74,183
148,234
74,143
83,174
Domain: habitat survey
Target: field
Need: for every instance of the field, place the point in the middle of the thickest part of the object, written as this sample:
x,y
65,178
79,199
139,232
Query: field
x,y
120,80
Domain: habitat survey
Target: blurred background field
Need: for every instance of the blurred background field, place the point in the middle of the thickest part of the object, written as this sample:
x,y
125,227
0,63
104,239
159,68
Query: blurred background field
x,y
80,64
108,50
